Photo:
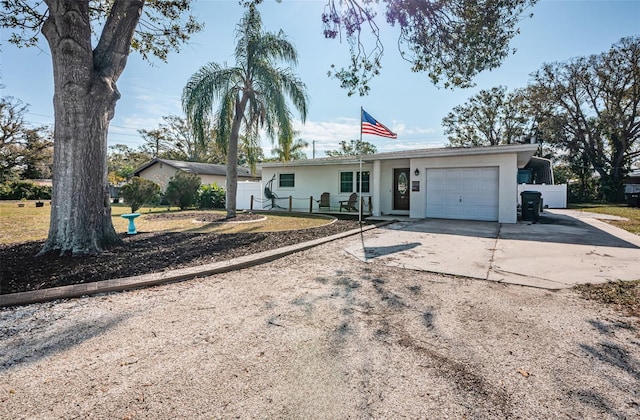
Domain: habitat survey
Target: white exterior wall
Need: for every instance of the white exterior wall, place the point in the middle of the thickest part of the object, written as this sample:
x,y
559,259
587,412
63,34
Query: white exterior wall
x,y
217,179
507,178
553,196
312,181
161,174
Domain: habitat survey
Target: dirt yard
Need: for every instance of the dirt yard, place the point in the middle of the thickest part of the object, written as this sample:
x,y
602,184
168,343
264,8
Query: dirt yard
x,y
320,334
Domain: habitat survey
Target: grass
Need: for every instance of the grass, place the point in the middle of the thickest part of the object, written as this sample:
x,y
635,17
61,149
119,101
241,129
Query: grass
x,y
632,213
621,296
274,222
31,223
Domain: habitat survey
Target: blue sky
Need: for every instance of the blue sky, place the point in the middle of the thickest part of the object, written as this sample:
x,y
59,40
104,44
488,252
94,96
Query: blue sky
x,y
404,101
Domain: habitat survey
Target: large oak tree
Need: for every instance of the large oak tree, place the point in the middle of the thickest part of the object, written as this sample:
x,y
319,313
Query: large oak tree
x,y
85,95
25,152
450,40
490,118
590,106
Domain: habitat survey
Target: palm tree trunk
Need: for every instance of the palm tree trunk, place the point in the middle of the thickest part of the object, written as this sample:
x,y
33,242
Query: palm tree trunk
x,y
232,158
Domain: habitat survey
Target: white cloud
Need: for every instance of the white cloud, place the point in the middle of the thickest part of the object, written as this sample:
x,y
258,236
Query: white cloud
x,y
328,135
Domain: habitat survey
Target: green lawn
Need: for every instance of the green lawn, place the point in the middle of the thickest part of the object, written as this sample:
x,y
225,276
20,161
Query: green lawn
x,y
31,223
631,213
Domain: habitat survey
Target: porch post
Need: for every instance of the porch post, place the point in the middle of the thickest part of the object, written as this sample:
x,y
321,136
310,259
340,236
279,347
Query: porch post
x,y
376,188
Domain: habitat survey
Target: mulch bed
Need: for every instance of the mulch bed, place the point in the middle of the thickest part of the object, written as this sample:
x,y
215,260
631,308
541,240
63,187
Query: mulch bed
x,y
206,217
143,253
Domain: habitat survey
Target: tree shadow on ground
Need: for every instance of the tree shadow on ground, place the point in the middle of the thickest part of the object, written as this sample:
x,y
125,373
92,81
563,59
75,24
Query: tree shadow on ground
x,y
32,347
380,251
552,228
371,305
619,362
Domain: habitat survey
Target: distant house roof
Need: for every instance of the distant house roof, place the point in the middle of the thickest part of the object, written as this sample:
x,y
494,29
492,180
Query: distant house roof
x,y
200,168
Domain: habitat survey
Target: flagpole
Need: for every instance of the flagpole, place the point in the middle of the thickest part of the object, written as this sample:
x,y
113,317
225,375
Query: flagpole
x,y
360,180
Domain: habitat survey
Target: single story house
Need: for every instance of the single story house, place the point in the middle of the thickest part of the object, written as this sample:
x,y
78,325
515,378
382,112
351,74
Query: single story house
x,y
473,183
160,171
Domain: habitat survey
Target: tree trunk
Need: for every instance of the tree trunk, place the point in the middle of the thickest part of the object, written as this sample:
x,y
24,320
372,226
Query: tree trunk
x,y
84,100
232,157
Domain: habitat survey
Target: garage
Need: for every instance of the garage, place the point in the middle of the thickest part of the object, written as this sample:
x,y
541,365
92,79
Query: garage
x,y
463,193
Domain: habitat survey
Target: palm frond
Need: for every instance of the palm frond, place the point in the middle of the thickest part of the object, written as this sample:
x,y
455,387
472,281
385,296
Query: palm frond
x,y
206,87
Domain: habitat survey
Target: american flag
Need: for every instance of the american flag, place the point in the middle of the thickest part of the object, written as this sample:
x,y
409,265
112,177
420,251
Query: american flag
x,y
371,126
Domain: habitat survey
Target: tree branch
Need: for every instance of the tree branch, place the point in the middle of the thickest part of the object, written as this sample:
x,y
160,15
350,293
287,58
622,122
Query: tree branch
x,y
110,56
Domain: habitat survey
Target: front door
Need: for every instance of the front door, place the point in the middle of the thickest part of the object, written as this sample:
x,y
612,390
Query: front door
x,y
401,189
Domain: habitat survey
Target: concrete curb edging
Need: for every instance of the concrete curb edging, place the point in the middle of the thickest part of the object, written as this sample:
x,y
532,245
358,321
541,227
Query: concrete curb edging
x,y
181,274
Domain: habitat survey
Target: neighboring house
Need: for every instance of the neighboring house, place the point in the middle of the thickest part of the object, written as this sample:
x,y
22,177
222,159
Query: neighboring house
x,y
160,171
474,183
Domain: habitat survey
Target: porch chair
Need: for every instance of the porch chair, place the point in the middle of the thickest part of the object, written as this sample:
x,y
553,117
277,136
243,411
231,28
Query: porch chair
x,y
349,204
268,192
324,201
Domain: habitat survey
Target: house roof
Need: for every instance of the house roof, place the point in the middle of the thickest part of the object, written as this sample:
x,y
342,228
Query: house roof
x,y
199,168
524,152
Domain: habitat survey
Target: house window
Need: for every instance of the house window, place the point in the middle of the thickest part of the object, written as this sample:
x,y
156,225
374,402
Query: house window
x,y
287,181
350,184
365,182
346,182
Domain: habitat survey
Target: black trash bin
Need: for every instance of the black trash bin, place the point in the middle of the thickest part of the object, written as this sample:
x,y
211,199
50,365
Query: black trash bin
x,y
531,203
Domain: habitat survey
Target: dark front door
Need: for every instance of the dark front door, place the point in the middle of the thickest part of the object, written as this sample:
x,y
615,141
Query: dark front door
x,y
401,189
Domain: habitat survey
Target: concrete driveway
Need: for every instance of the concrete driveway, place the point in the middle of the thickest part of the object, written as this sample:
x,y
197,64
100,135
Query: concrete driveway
x,y
564,249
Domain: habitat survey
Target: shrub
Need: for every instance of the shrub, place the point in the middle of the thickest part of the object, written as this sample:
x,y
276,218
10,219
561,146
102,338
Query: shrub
x,y
18,190
211,197
182,190
139,191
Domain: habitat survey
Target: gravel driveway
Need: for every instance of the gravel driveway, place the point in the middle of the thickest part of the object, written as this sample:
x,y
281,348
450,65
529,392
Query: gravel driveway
x,y
320,334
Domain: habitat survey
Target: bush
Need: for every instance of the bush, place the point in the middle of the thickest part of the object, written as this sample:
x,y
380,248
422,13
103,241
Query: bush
x,y
139,191
182,190
18,190
211,197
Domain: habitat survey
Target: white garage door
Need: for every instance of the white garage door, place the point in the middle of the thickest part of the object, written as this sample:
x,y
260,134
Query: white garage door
x,y
463,193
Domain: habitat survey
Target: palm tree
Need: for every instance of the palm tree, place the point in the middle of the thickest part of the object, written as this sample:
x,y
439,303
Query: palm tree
x,y
289,149
250,96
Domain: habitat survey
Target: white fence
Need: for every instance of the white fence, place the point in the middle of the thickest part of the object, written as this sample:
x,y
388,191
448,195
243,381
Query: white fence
x,y
553,196
245,191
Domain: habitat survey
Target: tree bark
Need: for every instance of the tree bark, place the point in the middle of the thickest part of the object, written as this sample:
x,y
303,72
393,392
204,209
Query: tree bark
x,y
84,100
232,157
